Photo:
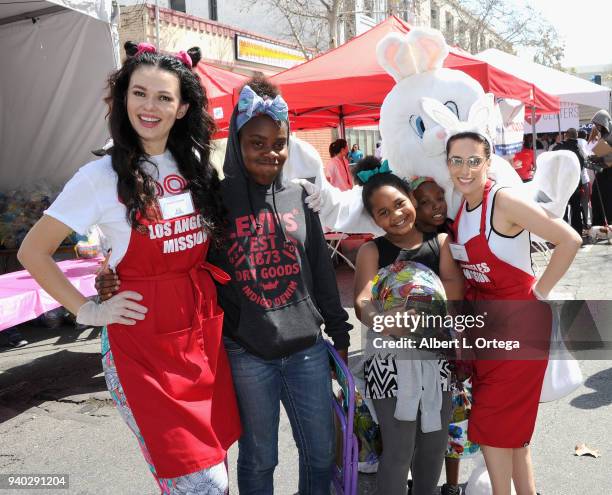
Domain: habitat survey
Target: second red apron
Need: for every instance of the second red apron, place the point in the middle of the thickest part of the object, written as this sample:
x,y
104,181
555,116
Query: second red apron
x,y
506,392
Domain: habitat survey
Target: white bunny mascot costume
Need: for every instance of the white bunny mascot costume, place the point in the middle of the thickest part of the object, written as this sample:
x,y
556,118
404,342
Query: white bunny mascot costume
x,y
414,143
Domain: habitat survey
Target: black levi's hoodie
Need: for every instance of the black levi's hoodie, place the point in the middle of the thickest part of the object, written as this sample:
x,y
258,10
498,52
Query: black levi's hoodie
x,y
283,285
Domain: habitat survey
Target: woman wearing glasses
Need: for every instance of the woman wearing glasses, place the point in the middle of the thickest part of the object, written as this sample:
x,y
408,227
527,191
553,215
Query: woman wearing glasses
x,y
492,233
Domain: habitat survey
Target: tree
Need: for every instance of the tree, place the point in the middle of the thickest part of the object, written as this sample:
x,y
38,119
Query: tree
x,y
515,25
312,24
317,25
549,49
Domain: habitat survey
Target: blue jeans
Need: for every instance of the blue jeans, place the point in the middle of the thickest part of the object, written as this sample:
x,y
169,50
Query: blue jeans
x,y
302,382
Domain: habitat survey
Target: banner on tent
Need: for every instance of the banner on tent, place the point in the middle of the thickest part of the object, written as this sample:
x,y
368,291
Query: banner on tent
x,y
509,126
566,118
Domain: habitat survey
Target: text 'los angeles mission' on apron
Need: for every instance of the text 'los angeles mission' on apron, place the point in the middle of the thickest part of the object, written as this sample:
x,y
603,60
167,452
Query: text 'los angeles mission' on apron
x,y
506,391
172,365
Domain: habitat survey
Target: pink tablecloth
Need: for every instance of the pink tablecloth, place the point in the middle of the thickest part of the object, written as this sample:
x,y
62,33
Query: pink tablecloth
x,y
22,299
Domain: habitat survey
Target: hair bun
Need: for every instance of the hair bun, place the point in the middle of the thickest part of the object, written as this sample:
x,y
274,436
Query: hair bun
x,y
130,48
196,55
367,163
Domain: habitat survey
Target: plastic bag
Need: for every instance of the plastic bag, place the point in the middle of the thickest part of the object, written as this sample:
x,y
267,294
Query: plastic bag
x,y
563,374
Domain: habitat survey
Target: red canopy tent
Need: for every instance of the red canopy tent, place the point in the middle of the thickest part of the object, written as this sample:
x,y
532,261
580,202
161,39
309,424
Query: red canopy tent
x,y
220,85
346,85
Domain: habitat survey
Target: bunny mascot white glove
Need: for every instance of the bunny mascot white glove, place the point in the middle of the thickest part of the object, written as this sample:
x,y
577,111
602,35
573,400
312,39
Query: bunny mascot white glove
x,y
338,210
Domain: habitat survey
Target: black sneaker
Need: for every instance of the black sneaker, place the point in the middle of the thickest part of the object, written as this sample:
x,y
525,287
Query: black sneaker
x,y
451,489
17,341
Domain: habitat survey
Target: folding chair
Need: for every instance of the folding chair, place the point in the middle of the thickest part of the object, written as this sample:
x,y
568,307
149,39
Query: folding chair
x,y
344,476
539,246
334,239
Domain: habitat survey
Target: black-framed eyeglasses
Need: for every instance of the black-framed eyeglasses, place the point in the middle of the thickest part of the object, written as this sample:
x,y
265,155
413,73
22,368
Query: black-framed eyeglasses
x,y
472,161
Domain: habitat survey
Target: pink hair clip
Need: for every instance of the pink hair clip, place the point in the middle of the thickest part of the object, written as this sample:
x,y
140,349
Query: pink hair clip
x,y
146,48
149,48
184,57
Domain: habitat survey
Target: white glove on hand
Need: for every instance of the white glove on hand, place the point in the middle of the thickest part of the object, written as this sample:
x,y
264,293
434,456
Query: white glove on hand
x,y
314,199
120,308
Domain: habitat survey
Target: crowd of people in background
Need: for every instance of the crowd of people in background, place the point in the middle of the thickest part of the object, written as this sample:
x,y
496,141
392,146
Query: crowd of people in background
x,y
591,203
578,211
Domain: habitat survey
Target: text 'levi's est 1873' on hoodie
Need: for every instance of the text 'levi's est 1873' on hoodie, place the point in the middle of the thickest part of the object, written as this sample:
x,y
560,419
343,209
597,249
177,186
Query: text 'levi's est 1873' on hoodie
x,y
283,285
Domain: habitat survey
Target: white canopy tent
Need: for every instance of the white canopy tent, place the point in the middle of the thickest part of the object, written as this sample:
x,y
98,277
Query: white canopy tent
x,y
55,58
568,88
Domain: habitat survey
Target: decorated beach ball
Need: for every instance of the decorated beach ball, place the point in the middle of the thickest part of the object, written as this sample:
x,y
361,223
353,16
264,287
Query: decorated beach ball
x,y
407,285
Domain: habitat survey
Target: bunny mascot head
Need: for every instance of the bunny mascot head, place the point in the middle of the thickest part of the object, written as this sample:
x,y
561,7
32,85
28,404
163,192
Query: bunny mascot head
x,y
427,105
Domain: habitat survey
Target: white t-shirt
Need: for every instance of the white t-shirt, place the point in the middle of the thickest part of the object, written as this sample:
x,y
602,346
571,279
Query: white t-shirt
x,y
90,198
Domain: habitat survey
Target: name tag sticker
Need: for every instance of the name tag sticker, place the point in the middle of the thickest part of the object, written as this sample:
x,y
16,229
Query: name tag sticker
x,y
458,251
176,206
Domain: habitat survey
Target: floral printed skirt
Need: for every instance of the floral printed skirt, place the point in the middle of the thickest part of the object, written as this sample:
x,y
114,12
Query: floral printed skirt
x,y
209,481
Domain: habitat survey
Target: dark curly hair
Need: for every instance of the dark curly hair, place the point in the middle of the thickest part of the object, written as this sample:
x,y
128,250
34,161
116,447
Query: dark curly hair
x,y
262,86
189,143
377,181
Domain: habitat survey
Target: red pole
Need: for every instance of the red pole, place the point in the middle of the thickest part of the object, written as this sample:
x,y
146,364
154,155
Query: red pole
x,y
533,134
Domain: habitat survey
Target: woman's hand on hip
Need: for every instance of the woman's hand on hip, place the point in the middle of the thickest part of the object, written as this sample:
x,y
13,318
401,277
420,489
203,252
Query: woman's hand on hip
x,y
120,308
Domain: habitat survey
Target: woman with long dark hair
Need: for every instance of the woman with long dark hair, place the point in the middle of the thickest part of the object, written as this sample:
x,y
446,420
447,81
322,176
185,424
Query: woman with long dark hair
x,y
155,196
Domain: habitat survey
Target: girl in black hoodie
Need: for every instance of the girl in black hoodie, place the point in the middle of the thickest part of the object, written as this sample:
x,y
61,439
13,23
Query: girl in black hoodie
x,y
283,289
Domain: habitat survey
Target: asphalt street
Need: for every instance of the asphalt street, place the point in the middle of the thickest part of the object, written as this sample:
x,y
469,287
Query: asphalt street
x,y
56,416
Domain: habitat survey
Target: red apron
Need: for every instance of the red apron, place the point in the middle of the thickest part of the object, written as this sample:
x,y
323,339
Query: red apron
x,y
506,392
172,365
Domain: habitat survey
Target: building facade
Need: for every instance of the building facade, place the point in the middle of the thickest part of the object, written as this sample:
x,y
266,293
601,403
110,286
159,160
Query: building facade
x,y
459,27
226,45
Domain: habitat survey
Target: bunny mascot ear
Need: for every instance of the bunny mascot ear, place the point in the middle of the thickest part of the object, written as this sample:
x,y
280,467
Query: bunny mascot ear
x,y
402,56
430,48
481,114
439,113
396,57
479,118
